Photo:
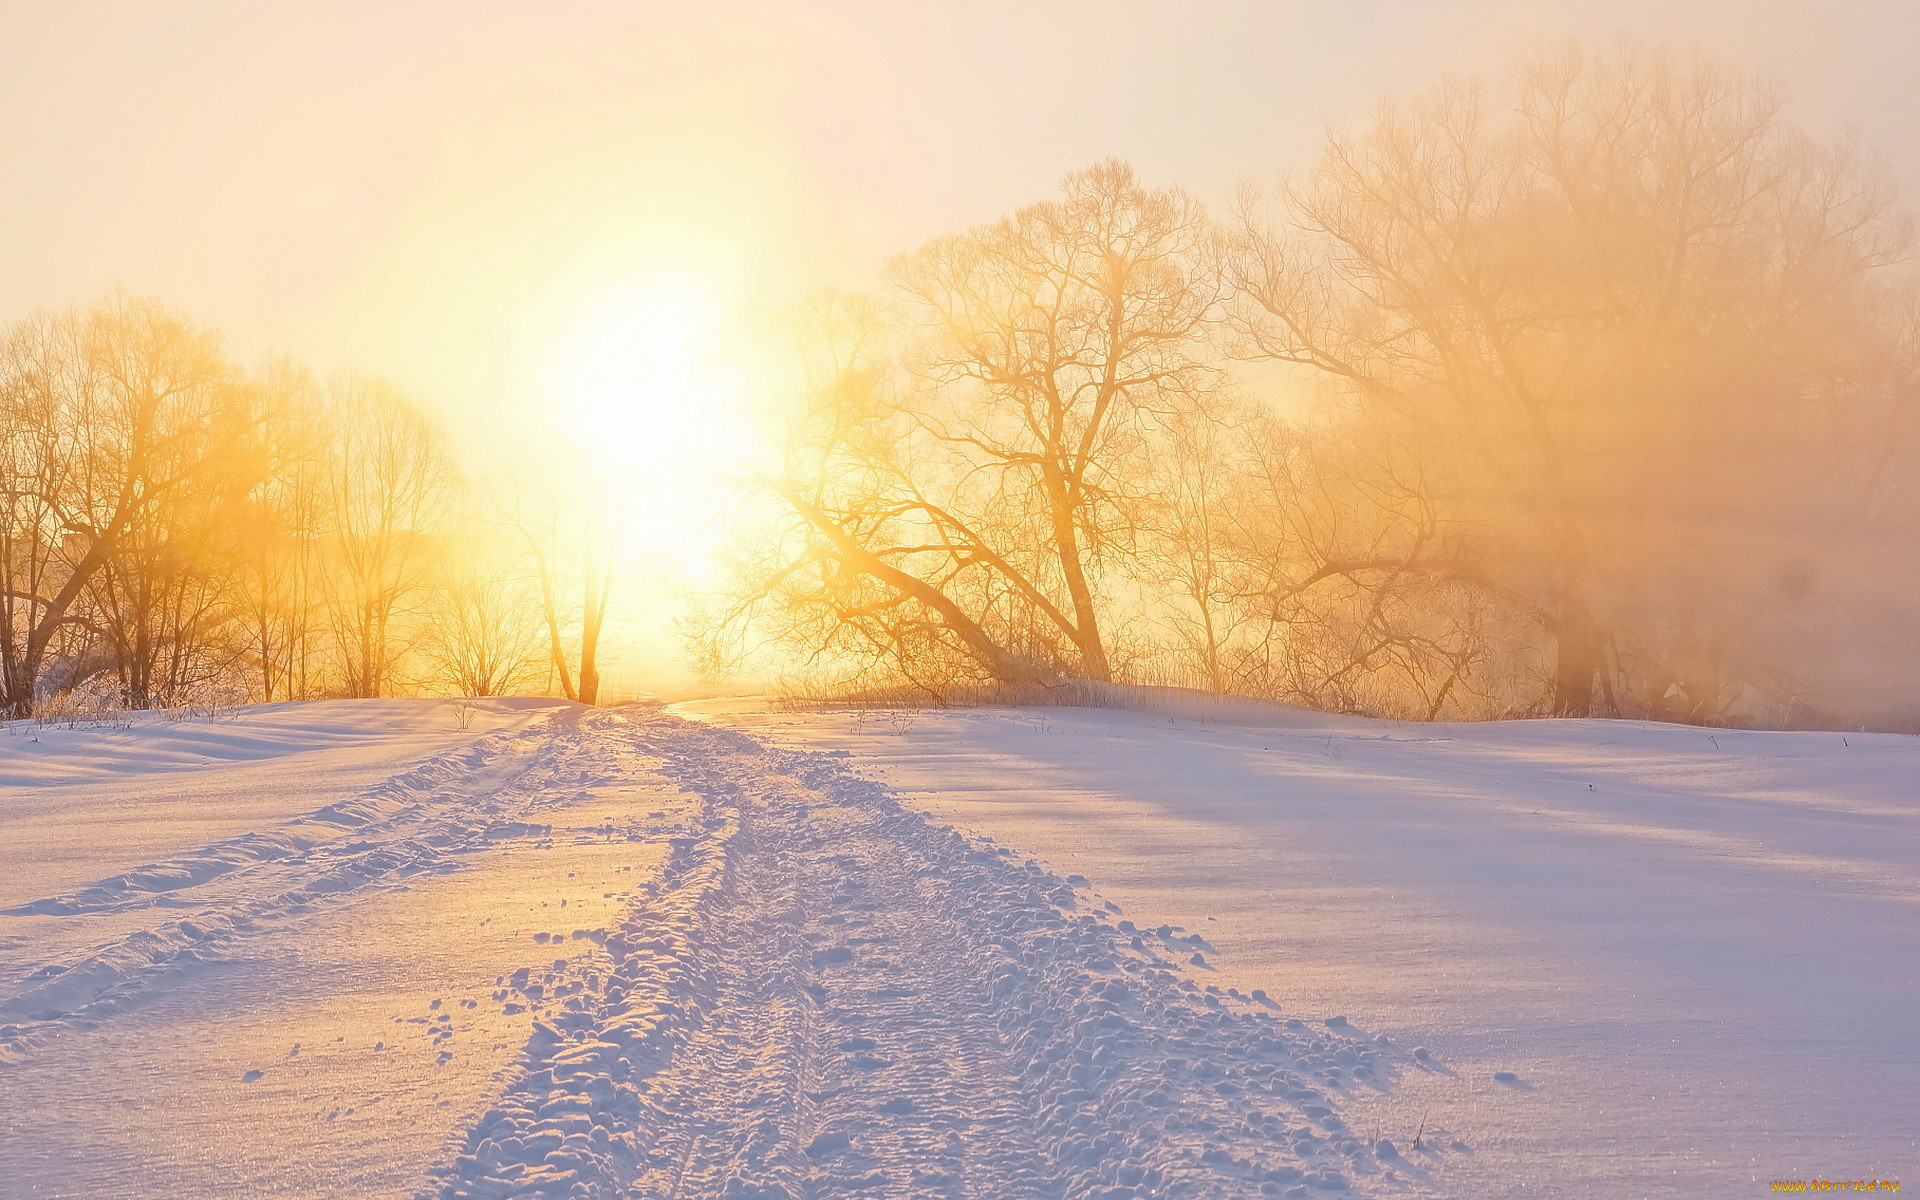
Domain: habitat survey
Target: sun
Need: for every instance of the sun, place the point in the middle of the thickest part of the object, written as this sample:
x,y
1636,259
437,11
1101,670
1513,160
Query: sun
x,y
651,391
647,385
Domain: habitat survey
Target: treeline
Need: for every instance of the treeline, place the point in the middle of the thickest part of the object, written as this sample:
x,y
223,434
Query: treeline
x,y
1596,394
175,529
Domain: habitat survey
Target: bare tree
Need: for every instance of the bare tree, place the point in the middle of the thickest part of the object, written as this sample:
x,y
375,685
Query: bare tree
x,y
963,468
393,489
113,414
39,368
281,576
1614,301
1205,542
483,641
841,568
571,536
1053,342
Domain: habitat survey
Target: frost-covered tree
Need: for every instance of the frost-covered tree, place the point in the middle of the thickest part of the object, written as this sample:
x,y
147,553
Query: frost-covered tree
x,y
1625,316
964,480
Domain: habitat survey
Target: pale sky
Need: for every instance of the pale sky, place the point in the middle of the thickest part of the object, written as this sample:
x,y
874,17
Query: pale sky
x,y
337,179
445,191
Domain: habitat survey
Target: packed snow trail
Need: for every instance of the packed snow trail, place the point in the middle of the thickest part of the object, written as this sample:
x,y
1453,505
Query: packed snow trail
x,y
812,992
825,994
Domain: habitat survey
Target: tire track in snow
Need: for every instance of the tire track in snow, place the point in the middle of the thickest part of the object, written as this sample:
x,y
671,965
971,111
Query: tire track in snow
x,y
827,994
419,822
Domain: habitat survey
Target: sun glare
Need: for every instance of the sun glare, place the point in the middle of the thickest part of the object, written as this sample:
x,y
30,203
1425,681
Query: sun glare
x,y
645,387
653,398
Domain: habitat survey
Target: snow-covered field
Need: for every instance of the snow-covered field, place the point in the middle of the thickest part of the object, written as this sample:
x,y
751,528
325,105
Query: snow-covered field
x,y
400,949
1644,960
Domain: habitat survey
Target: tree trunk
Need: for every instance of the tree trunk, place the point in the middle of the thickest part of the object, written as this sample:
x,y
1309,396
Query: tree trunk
x,y
592,612
1086,621
1578,644
16,691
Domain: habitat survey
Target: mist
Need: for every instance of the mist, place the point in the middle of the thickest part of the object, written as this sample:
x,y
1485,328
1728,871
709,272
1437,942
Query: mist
x,y
1580,386
1602,405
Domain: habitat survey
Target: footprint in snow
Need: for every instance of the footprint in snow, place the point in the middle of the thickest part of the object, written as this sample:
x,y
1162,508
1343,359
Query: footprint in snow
x,y
1513,1081
827,1145
252,1075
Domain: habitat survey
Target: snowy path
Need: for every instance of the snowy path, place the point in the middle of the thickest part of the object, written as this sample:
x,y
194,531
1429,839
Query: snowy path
x,y
613,954
828,995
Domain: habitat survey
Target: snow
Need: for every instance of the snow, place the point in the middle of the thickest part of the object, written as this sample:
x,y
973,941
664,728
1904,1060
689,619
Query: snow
x,y
406,948
83,802
321,1019
1632,959
824,993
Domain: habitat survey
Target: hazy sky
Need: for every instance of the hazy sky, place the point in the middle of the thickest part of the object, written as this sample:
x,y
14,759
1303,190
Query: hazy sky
x,y
430,189
499,204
